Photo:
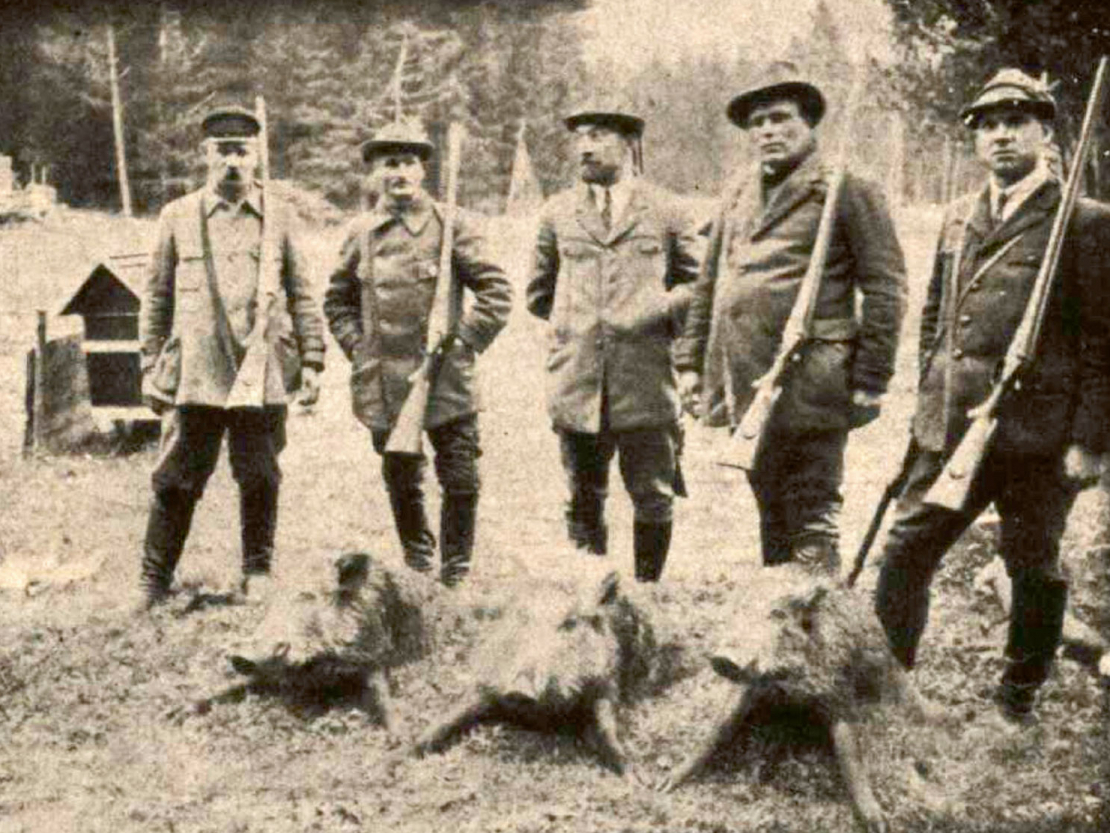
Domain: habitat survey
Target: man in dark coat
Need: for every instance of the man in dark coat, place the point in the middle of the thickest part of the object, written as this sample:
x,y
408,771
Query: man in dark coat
x,y
378,304
613,260
1052,431
759,251
208,297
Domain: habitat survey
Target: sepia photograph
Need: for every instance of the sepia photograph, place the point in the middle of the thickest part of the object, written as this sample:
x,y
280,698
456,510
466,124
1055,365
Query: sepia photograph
x,y
554,416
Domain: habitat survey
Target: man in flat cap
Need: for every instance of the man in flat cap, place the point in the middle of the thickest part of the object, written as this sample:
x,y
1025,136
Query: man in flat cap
x,y
212,291
613,261
378,303
758,254
1052,431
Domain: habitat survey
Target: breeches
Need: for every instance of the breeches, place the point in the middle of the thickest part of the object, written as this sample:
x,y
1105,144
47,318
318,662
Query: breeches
x,y
457,449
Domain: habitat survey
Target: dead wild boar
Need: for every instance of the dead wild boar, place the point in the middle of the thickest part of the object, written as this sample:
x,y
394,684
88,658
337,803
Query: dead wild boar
x,y
568,672
822,653
316,647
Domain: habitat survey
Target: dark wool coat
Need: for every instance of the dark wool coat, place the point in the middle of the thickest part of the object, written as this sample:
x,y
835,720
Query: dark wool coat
x,y
378,301
1065,398
615,300
741,302
178,327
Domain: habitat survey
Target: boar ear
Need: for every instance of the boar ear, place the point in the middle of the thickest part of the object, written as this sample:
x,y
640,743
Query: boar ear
x,y
728,669
352,569
607,590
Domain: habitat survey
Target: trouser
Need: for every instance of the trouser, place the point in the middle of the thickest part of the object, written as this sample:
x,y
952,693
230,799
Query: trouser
x,y
648,464
190,448
457,448
796,483
1033,500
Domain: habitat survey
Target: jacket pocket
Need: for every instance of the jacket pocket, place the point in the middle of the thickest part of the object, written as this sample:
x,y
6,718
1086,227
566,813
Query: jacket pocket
x,y
165,375
822,382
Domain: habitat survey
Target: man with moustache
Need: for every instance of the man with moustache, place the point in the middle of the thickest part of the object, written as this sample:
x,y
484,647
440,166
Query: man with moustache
x,y
613,261
378,303
758,254
1052,431
207,297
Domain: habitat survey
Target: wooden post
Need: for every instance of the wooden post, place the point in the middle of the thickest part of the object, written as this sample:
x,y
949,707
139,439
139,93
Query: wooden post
x,y
38,410
117,124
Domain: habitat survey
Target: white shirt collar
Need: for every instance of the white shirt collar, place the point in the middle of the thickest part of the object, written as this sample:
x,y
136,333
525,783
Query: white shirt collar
x,y
1019,192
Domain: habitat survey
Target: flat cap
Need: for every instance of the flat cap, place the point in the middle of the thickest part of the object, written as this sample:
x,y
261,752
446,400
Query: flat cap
x,y
1011,88
230,122
611,114
780,80
398,137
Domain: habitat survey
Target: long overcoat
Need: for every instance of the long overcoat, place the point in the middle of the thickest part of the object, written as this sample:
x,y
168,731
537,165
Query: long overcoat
x,y
615,299
379,299
179,332
968,324
753,271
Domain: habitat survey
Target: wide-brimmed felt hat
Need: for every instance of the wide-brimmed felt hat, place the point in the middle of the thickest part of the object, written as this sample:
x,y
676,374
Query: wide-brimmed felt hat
x,y
399,137
230,121
781,80
615,115
1011,88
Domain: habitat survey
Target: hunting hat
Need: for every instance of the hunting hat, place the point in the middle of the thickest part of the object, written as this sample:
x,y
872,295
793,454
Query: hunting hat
x,y
230,122
606,114
398,137
1011,88
781,80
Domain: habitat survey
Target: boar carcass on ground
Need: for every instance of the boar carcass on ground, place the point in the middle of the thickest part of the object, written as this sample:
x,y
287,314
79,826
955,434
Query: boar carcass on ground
x,y
554,668
317,647
820,652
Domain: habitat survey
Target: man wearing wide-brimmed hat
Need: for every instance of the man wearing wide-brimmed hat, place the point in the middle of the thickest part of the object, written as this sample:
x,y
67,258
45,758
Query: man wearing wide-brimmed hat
x,y
206,300
758,254
613,259
378,303
1052,431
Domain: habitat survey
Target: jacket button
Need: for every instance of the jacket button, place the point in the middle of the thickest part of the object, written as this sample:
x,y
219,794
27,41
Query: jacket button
x,y
957,353
965,319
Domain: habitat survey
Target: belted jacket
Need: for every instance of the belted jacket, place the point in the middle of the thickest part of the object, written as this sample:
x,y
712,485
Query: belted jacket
x,y
183,341
758,255
970,318
615,298
379,299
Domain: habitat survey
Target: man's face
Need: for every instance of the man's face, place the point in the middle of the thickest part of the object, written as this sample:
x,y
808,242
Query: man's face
x,y
602,152
1009,141
397,176
232,163
782,137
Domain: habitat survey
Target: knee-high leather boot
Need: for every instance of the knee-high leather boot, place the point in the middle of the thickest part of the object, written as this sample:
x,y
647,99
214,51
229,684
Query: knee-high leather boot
x,y
458,518
257,527
1036,623
650,544
171,514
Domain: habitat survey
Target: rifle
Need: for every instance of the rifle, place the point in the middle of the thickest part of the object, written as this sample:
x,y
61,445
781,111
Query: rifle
x,y
745,442
249,388
893,489
951,488
406,436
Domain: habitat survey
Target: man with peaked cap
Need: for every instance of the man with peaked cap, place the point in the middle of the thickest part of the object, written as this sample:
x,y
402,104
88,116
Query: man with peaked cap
x,y
378,303
206,299
1052,432
613,261
758,254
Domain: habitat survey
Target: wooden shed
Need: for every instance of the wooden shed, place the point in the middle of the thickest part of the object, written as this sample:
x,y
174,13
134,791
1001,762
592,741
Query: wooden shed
x,y
108,303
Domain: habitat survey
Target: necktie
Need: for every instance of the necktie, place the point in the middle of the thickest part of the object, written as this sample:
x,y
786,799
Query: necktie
x,y
1002,197
607,210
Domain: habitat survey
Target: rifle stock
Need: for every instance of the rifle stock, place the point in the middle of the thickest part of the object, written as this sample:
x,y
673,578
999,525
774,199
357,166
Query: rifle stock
x,y
744,444
406,437
951,488
249,388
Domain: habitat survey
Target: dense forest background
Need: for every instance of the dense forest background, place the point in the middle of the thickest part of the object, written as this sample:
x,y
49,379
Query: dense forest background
x,y
332,72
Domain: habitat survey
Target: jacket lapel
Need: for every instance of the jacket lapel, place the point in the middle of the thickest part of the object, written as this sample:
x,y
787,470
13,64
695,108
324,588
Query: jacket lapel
x,y
588,216
798,187
630,218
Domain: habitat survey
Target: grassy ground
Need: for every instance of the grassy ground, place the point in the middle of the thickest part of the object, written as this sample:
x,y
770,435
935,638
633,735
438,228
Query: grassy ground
x,y
90,732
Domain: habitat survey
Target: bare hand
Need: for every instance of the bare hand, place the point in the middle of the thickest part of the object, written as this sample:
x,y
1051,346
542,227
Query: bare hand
x,y
689,391
865,408
151,397
310,386
1082,466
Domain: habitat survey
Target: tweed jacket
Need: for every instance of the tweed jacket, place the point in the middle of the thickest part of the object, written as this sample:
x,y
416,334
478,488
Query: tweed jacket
x,y
379,298
968,324
751,277
179,332
615,299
